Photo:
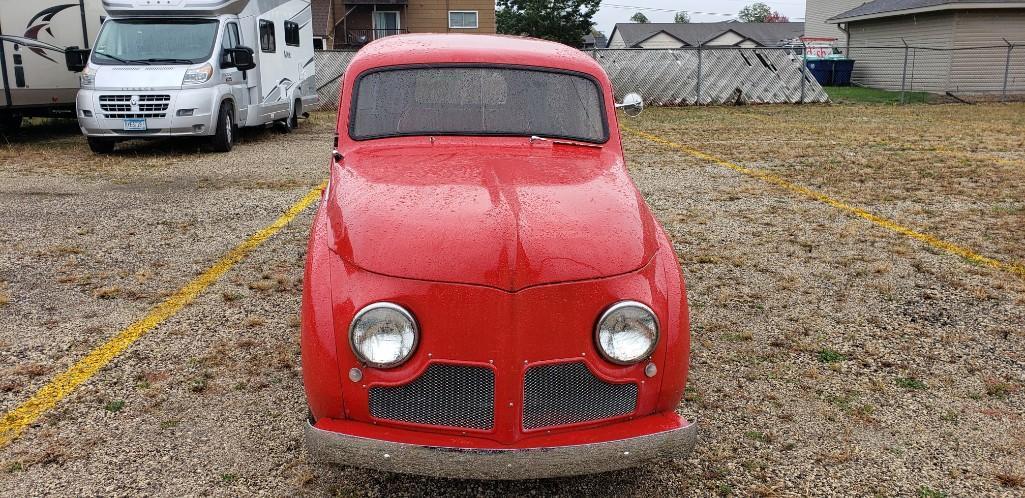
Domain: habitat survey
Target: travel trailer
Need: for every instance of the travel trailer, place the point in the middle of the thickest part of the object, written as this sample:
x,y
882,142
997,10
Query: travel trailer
x,y
175,68
33,36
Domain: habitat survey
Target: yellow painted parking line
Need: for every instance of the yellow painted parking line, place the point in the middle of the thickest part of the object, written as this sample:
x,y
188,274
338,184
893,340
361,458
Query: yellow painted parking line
x,y
932,241
16,420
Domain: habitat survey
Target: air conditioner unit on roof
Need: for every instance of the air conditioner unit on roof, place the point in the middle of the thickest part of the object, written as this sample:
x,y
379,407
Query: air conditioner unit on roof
x,y
174,7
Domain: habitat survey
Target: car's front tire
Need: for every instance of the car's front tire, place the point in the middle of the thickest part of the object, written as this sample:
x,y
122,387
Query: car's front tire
x,y
224,138
101,145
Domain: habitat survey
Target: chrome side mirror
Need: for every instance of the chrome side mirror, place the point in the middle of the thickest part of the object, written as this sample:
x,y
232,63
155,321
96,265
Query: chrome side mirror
x,y
632,104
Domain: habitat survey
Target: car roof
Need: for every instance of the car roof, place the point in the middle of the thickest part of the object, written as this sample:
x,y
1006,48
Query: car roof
x,y
442,48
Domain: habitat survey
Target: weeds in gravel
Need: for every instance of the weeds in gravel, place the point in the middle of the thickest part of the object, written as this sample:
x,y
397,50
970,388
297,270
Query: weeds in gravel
x,y
231,296
927,492
169,423
107,292
1009,480
998,388
228,478
114,406
909,383
5,294
830,356
200,383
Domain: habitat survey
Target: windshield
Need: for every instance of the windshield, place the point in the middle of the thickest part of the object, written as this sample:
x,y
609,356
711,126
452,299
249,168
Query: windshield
x,y
477,101
147,41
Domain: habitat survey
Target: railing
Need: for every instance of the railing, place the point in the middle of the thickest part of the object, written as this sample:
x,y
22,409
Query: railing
x,y
364,36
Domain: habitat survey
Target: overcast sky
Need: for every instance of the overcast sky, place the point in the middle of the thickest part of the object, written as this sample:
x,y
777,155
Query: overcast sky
x,y
609,15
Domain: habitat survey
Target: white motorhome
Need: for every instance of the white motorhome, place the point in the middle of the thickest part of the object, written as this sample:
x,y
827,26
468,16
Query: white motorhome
x,y
164,68
33,35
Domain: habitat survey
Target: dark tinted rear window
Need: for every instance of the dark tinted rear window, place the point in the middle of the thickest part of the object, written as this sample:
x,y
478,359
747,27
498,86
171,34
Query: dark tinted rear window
x,y
477,101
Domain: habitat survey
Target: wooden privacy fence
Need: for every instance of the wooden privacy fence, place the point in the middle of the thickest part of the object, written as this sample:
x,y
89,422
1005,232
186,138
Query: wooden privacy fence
x,y
667,76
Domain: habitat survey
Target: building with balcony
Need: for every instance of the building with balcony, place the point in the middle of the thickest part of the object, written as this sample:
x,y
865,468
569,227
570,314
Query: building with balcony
x,y
348,24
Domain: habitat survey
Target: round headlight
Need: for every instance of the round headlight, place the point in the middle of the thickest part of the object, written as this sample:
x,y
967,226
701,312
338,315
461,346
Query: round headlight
x,y
627,332
383,335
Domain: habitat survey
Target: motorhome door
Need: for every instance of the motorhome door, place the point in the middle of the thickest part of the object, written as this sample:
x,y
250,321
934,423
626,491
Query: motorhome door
x,y
237,80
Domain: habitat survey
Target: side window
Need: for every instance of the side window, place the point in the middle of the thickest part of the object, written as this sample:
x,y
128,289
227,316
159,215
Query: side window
x,y
267,42
291,34
229,40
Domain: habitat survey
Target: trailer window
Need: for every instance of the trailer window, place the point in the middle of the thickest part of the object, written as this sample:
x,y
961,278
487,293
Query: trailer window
x,y
509,101
291,34
267,41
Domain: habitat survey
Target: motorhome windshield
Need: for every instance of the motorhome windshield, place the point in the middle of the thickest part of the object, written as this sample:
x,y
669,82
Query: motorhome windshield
x,y
155,41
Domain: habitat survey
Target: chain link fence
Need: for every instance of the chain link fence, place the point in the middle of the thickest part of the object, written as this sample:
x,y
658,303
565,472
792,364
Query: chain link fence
x,y
666,76
994,72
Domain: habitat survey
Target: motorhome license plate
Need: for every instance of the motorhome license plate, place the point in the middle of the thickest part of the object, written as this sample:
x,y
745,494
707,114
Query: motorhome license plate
x,y
135,124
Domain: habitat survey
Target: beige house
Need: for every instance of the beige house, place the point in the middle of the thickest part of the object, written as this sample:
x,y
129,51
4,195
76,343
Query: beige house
x,y
817,13
353,23
704,34
877,31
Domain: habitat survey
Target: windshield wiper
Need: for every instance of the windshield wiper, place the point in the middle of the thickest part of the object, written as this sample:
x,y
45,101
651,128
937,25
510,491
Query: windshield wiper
x,y
170,61
123,61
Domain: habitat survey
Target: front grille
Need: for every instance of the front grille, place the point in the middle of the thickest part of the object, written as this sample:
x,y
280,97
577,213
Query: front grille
x,y
568,393
148,106
444,395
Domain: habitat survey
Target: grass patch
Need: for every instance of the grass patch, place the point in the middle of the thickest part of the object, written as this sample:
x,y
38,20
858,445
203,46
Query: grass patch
x,y
861,95
910,383
830,356
114,406
927,492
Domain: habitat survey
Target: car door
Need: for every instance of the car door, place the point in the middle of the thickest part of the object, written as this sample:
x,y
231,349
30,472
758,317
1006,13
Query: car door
x,y
237,80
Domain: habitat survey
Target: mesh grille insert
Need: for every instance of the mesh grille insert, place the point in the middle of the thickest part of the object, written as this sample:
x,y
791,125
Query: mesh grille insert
x,y
568,393
445,395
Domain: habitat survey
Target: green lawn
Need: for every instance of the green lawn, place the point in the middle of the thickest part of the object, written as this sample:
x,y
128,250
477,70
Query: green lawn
x,y
860,95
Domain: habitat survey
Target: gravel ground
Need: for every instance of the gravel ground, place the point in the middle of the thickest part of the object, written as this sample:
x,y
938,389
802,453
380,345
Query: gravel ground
x,y
831,357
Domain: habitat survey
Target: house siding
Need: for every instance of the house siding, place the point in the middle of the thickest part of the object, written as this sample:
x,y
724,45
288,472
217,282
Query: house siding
x,y
617,41
982,70
661,40
431,16
817,11
727,39
928,70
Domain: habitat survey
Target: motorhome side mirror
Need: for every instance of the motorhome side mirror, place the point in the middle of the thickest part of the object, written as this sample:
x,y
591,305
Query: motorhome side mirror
x,y
76,58
632,105
242,58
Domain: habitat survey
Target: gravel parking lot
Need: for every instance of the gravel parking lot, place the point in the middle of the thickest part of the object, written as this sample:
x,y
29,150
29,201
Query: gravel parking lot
x,y
831,356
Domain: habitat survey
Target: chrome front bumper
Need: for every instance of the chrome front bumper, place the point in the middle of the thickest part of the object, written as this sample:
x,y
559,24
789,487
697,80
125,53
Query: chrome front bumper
x,y
531,463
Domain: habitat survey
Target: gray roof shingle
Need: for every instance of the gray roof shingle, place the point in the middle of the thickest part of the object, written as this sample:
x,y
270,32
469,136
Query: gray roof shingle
x,y
697,33
896,6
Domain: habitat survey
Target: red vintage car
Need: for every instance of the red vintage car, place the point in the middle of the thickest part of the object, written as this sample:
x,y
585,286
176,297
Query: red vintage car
x,y
486,293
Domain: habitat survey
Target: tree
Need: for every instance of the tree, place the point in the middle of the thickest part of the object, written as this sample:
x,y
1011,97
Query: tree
x,y
639,18
756,12
564,21
681,17
776,17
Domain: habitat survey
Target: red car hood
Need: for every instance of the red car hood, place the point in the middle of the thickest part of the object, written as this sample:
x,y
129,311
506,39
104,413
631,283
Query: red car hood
x,y
519,216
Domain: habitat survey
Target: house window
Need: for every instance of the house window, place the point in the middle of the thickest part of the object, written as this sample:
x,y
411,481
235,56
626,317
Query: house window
x,y
291,34
318,44
267,42
462,19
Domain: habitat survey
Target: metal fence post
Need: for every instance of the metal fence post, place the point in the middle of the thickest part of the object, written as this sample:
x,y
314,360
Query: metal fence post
x,y
1007,68
904,73
697,84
